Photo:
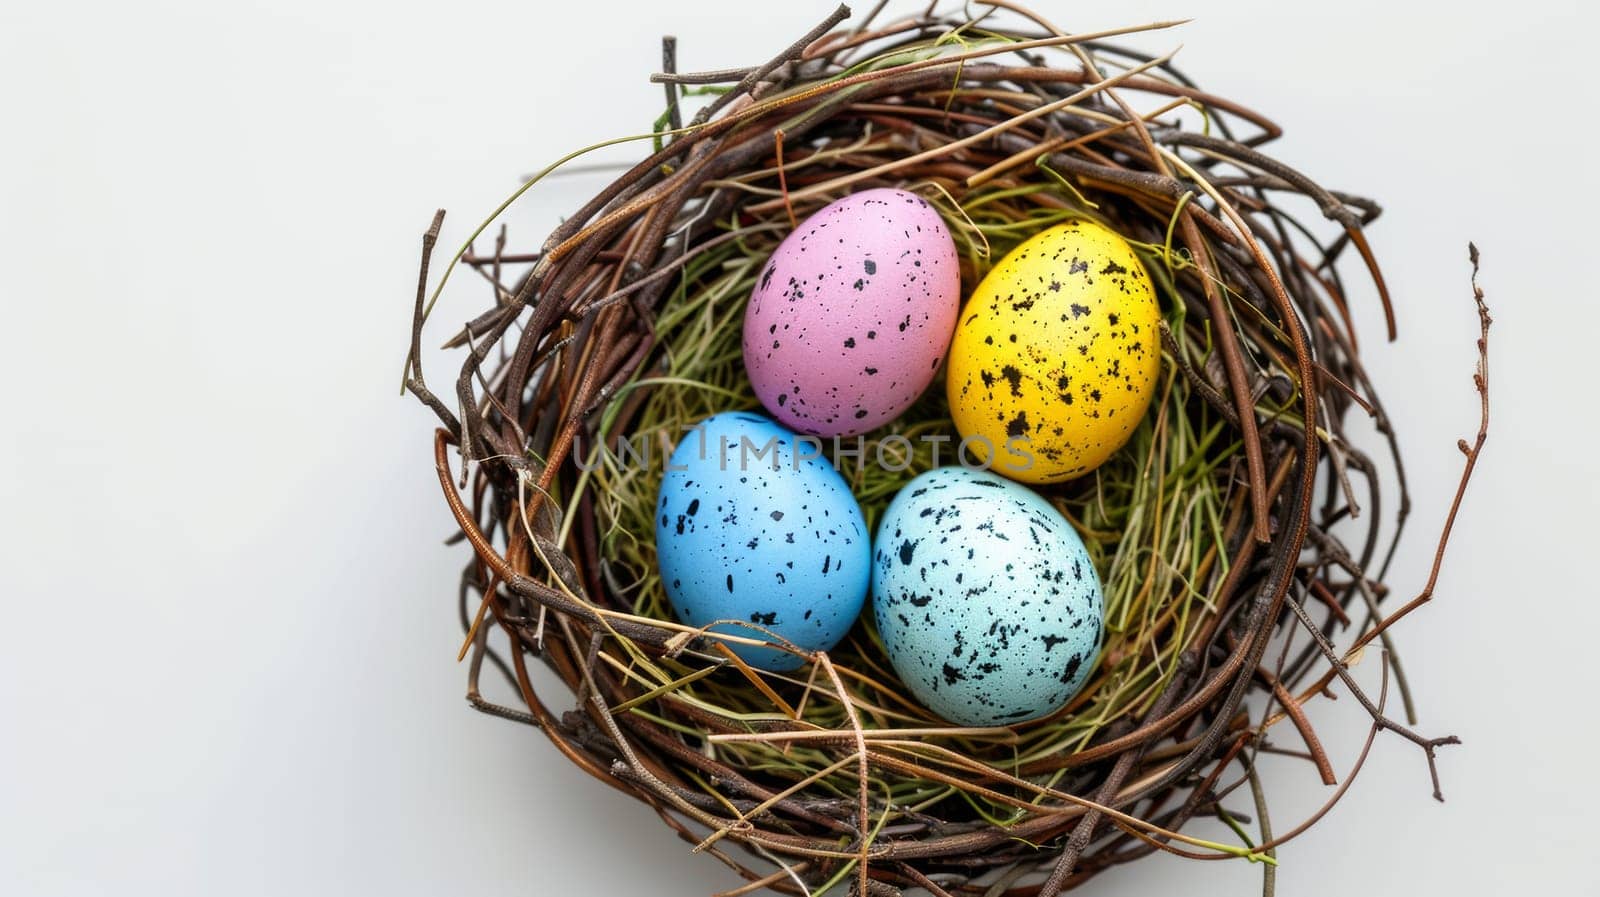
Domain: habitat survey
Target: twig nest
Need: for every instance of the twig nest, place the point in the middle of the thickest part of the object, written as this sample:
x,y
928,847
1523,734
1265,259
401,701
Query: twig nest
x,y
1197,483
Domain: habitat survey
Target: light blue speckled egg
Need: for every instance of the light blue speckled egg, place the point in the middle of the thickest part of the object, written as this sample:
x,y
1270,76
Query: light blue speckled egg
x,y
749,528
988,605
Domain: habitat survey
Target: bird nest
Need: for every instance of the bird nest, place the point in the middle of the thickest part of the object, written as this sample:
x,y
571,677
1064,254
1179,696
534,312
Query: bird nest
x,y
1237,534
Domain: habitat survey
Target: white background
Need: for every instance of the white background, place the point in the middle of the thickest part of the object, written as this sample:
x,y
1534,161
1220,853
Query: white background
x,y
229,641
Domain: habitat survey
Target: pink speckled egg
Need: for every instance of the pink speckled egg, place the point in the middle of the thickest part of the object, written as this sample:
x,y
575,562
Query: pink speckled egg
x,y
853,313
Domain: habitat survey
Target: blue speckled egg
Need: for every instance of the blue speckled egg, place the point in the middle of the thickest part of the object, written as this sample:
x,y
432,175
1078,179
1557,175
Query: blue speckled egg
x,y
750,529
988,605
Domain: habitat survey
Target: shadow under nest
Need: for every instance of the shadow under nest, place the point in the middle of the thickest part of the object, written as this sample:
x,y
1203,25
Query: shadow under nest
x,y
1234,550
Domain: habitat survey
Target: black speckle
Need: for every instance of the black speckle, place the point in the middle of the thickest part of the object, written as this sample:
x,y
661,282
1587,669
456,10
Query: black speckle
x,y
777,515
906,549
870,266
1013,377
694,507
730,582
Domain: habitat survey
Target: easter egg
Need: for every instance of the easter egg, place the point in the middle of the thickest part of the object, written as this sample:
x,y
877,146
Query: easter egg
x,y
755,526
851,316
1055,359
988,605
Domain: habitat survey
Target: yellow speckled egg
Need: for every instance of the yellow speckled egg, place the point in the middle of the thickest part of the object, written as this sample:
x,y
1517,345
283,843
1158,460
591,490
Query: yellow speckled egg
x,y
1055,358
